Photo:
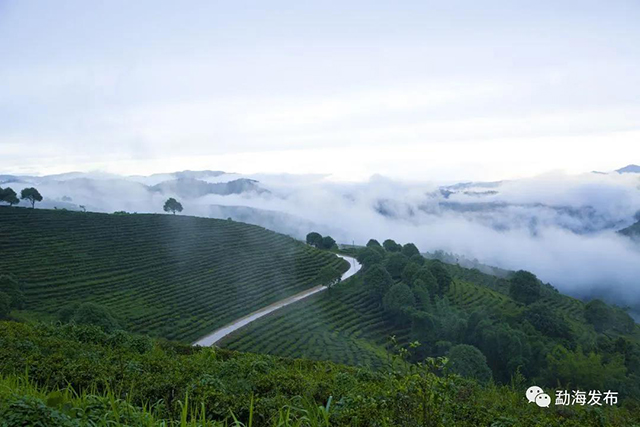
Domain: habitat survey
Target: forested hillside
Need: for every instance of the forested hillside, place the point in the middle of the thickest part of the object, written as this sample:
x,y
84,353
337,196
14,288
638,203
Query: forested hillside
x,y
490,328
177,277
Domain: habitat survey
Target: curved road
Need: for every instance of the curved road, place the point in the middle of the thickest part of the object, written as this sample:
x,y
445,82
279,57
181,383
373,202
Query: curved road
x,y
217,335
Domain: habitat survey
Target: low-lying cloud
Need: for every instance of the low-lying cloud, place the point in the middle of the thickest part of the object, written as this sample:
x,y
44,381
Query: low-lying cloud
x,y
563,228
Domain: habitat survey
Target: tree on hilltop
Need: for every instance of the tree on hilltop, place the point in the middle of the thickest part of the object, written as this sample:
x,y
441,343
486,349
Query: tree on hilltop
x,y
328,242
391,246
172,205
32,195
410,250
7,195
314,239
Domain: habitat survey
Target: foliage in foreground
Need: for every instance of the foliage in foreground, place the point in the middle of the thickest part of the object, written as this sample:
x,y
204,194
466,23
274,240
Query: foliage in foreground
x,y
80,375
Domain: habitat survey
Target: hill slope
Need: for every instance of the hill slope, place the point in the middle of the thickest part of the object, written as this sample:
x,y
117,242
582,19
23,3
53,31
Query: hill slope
x,y
181,385
549,339
174,276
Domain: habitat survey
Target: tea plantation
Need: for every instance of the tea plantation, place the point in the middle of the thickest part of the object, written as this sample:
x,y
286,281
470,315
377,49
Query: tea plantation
x,y
177,277
70,376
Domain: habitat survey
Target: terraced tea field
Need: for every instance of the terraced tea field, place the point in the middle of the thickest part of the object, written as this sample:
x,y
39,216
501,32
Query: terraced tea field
x,y
341,325
174,276
345,326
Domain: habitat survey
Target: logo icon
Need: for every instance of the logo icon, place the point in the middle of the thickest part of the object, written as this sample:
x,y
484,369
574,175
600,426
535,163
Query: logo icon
x,y
537,395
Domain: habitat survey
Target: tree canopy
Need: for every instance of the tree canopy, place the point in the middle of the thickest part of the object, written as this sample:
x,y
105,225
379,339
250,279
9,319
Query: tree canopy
x,y
524,287
314,239
89,313
9,196
442,276
599,314
172,205
410,250
368,257
373,243
32,195
378,281
11,287
328,242
395,264
468,361
391,246
5,305
329,276
398,298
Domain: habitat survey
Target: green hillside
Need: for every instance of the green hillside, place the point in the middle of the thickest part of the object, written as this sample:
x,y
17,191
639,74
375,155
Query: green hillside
x,y
73,376
551,339
341,325
177,277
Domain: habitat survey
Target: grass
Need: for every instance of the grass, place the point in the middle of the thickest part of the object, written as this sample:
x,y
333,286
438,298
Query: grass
x,y
177,277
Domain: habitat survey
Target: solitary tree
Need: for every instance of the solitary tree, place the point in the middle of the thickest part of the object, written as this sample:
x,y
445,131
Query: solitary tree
x,y
172,205
32,195
7,195
314,239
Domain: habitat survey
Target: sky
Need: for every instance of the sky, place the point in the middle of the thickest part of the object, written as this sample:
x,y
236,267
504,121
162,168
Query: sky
x,y
412,90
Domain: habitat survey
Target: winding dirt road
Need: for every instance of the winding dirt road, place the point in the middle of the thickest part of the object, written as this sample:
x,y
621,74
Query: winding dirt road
x,y
217,335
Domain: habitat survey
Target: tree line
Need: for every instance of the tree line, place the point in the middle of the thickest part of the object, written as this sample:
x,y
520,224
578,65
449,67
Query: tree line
x,y
32,195
321,242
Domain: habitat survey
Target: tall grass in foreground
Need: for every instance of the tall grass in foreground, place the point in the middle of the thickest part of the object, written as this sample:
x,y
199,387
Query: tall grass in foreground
x,y
22,402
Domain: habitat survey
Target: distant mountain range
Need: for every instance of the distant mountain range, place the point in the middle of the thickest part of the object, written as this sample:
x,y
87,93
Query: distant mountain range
x,y
632,231
101,191
190,188
626,169
629,169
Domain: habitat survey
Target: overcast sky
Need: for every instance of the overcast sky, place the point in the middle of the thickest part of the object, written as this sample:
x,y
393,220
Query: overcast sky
x,y
419,90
